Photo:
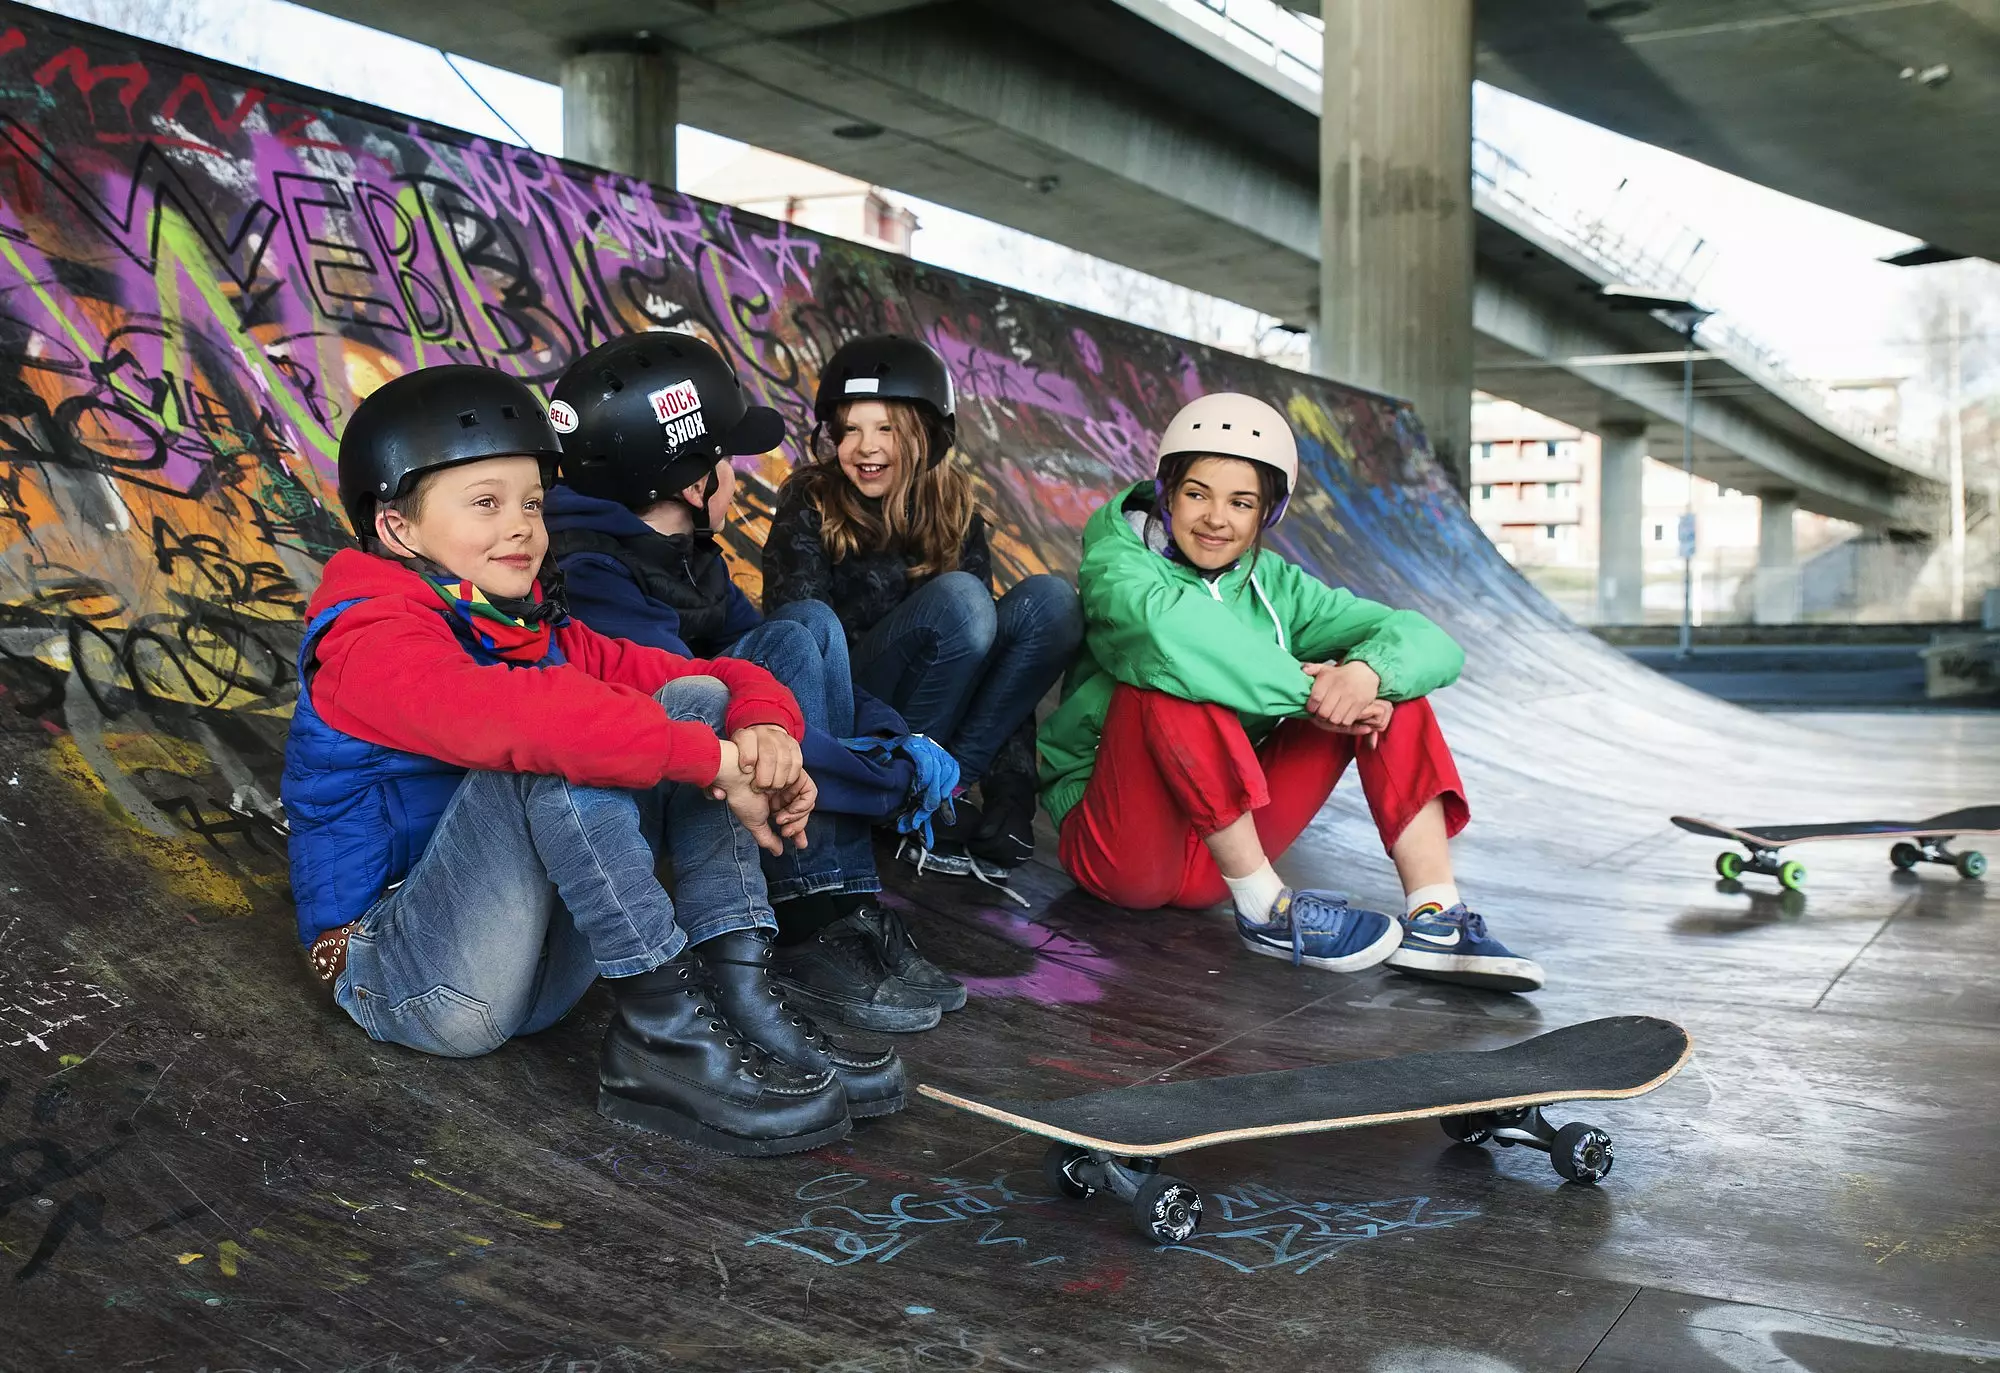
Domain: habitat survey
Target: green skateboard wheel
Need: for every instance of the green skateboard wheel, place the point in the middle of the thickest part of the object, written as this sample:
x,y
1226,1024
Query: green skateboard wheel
x,y
1971,866
1792,876
1729,865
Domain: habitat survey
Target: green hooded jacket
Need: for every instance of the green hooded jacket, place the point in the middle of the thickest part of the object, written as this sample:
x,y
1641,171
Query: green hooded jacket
x,y
1236,641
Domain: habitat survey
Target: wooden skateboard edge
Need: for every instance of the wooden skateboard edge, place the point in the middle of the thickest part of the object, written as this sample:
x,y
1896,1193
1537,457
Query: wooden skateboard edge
x,y
1311,1127
1751,841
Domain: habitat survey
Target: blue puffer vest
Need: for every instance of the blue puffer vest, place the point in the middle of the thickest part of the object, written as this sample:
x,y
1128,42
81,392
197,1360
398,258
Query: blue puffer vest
x,y
360,814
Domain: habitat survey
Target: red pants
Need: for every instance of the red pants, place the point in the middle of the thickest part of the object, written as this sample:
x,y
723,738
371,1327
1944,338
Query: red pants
x,y
1170,772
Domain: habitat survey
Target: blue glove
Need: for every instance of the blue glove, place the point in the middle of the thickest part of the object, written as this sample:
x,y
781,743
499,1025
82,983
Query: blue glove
x,y
937,779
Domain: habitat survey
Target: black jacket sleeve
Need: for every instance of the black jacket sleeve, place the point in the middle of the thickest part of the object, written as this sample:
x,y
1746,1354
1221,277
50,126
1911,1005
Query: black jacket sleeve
x,y
973,555
795,564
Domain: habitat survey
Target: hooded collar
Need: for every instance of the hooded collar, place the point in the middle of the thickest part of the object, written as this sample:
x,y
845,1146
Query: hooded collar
x,y
517,630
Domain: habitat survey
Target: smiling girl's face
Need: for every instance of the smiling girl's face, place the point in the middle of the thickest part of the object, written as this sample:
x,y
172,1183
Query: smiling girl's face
x,y
1216,509
481,521
870,453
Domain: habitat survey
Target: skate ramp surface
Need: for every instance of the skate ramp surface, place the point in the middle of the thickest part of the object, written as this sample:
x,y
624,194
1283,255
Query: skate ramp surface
x,y
203,1164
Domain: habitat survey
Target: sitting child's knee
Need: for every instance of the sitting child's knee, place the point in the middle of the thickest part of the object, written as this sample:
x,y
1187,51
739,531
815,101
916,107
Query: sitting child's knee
x,y
815,617
695,698
1056,603
787,650
971,607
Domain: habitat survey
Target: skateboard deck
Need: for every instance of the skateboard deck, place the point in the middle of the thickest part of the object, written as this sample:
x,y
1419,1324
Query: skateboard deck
x,y
1113,1140
1925,841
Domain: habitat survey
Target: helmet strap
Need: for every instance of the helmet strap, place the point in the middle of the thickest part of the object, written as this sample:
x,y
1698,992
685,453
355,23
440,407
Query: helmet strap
x,y
702,528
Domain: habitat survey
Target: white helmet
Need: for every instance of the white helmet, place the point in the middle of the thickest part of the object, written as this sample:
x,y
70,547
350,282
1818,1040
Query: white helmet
x,y
1229,425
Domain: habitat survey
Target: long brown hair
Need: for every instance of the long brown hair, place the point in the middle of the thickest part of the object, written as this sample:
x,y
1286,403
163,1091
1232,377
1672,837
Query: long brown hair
x,y
926,513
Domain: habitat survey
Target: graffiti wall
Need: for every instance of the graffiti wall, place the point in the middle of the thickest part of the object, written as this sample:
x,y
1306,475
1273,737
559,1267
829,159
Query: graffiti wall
x,y
202,273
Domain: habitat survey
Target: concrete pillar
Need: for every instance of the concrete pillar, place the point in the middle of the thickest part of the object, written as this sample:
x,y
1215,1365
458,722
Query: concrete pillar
x,y
1396,216
1621,524
1777,590
621,100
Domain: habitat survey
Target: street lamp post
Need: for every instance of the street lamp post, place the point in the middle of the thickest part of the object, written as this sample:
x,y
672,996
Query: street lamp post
x,y
1686,317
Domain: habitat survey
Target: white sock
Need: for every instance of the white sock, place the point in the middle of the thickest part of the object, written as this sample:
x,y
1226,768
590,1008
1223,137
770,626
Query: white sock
x,y
1443,894
1256,894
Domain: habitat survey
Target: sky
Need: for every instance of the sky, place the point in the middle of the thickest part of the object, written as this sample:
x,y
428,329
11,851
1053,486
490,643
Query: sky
x,y
1801,278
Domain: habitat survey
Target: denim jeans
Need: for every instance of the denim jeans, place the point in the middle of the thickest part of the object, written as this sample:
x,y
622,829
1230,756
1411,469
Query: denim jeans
x,y
968,670
531,888
804,647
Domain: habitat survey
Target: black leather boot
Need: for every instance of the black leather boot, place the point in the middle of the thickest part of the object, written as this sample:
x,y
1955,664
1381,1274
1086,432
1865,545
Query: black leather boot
x,y
739,971
674,1064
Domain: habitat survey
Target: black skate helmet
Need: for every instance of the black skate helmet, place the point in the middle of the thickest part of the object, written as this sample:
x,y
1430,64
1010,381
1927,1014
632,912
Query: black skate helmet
x,y
646,416
892,367
431,418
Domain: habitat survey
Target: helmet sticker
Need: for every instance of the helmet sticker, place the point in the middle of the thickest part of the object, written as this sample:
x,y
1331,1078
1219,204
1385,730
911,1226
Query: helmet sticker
x,y
685,430
671,402
863,386
562,417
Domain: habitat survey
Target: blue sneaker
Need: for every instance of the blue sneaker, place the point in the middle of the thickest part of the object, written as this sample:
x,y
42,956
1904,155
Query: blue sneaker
x,y
1453,946
1320,930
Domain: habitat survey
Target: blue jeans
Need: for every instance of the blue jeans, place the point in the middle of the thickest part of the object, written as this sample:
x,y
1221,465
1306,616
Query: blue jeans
x,y
804,647
968,670
531,888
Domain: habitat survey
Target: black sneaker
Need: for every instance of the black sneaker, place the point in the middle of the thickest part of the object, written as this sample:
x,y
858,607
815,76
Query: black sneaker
x,y
1005,839
899,953
837,975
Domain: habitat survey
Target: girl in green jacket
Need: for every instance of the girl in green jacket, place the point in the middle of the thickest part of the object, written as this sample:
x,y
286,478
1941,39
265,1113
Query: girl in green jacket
x,y
1221,693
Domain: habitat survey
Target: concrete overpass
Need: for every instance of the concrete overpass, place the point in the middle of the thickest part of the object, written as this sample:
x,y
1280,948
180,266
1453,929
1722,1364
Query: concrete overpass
x,y
1126,129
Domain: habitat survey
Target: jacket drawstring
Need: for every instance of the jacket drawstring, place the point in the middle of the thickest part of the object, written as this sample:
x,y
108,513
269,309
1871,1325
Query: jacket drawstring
x,y
1214,585
1270,610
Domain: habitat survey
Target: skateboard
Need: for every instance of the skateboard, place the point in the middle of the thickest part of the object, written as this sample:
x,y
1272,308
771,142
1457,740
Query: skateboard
x,y
1113,1141
1918,841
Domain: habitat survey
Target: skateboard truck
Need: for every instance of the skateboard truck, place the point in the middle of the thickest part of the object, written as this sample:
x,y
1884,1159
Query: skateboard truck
x,y
1579,1152
1791,874
1165,1209
1906,855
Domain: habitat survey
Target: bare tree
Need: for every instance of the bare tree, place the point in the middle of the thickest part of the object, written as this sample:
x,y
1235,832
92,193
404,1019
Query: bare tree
x,y
211,27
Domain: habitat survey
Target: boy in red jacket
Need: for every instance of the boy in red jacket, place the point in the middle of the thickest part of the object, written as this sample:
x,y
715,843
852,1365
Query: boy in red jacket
x,y
472,778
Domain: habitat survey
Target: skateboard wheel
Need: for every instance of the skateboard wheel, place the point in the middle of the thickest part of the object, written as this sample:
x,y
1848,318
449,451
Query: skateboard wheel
x,y
1467,1129
1906,856
1971,866
1166,1209
1059,1171
1792,875
1581,1153
1729,866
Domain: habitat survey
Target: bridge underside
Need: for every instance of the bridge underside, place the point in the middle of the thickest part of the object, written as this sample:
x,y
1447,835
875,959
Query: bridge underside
x,y
1117,129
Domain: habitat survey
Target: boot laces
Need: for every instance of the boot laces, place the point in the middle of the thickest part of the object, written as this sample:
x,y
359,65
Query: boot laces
x,y
814,1035
753,1056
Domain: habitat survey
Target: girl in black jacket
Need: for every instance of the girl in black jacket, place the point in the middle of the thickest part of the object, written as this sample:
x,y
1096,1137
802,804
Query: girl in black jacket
x,y
881,526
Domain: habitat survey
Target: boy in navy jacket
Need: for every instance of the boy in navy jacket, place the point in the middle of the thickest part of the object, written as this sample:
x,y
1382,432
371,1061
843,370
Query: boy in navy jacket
x,y
650,422
463,781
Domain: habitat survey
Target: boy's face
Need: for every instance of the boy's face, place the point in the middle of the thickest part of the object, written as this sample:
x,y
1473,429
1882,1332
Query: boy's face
x,y
1217,510
481,521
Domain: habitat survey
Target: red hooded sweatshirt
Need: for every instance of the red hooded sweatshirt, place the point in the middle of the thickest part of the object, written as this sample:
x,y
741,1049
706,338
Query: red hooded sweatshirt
x,y
392,671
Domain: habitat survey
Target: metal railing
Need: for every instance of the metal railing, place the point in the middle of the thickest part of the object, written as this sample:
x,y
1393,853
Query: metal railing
x,y
1282,39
